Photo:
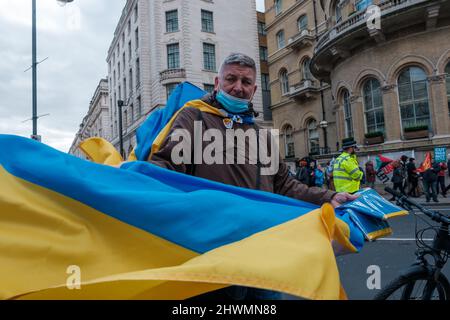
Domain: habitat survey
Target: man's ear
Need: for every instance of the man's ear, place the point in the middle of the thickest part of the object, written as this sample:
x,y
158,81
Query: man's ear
x,y
216,84
254,91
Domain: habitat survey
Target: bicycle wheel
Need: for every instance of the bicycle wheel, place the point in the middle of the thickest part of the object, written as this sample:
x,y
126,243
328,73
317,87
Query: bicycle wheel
x,y
416,284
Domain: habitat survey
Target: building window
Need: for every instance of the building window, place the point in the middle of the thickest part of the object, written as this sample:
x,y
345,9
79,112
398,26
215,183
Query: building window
x,y
263,55
132,113
373,106
129,27
362,4
139,106
413,97
131,81
447,81
118,69
265,83
138,73
209,56
306,69
135,13
262,28
170,88
278,6
136,37
348,115
207,21
338,13
125,119
129,51
120,92
280,39
173,56
123,60
313,137
289,149
172,21
302,23
284,82
125,88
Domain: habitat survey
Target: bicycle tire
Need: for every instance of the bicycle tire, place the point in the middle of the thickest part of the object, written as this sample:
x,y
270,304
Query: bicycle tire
x,y
408,280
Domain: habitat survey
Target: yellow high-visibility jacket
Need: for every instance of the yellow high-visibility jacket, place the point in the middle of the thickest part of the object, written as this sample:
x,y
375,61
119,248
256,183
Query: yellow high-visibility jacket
x,y
346,173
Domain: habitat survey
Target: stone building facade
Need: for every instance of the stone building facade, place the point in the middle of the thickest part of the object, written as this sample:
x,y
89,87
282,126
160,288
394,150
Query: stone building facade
x,y
158,44
96,123
389,88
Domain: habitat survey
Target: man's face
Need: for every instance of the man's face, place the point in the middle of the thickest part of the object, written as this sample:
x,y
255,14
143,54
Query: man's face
x,y
238,81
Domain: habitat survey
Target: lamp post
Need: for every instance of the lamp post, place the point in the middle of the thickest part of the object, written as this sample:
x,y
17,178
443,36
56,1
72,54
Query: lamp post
x,y
34,66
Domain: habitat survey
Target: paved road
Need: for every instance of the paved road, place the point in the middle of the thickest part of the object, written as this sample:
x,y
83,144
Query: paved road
x,y
391,255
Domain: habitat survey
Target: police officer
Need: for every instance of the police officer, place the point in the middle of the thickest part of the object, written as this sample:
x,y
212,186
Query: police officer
x,y
346,172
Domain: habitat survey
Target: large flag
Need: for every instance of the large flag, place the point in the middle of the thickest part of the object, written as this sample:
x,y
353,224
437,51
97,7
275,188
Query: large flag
x,y
74,229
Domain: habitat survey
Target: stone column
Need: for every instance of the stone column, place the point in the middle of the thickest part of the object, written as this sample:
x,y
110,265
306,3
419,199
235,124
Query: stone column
x,y
438,104
358,118
392,118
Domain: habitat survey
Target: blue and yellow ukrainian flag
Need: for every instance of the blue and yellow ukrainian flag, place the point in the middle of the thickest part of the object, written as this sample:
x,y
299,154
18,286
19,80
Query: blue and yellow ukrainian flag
x,y
144,232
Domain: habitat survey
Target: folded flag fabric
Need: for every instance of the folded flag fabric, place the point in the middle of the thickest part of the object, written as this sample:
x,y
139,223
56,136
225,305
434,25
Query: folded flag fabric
x,y
144,232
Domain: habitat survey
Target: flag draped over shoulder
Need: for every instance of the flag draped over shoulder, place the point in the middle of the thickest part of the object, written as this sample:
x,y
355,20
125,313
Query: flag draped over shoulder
x,y
144,232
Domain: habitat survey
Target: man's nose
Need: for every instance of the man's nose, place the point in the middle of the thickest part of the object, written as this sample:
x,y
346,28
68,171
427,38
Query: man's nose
x,y
237,88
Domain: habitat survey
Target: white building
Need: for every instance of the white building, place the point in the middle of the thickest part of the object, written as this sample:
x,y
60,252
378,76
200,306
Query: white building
x,y
96,123
160,43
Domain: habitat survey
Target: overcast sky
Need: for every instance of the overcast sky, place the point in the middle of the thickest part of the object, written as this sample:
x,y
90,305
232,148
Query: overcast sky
x,y
76,39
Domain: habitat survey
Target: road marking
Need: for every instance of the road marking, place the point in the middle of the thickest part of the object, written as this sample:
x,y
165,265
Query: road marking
x,y
401,239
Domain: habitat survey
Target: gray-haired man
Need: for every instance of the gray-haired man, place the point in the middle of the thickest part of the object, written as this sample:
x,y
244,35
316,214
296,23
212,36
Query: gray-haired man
x,y
235,87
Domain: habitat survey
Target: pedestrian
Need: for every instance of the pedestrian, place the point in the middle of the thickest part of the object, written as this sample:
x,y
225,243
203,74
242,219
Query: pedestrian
x,y
413,178
397,178
302,172
403,163
370,174
441,179
430,182
319,176
346,173
312,174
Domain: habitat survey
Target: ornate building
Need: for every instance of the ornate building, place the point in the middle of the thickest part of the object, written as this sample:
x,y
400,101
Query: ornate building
x,y
388,87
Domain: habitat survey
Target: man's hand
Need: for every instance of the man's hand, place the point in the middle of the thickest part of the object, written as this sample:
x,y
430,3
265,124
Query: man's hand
x,y
341,198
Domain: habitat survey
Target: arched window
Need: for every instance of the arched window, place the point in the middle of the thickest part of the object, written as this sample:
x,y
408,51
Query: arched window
x,y
288,141
280,39
313,137
373,106
447,80
278,6
413,97
302,23
306,71
347,114
284,79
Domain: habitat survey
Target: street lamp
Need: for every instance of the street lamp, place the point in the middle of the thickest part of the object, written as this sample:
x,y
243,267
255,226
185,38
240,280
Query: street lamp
x,y
35,63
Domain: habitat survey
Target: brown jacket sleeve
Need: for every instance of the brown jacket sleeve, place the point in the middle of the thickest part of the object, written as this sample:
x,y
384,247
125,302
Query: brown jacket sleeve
x,y
287,185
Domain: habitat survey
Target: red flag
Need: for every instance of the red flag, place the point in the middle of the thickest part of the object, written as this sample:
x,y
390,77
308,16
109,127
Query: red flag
x,y
426,163
384,164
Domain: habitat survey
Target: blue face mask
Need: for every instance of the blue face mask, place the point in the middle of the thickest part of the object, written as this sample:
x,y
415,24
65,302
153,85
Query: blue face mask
x,y
232,104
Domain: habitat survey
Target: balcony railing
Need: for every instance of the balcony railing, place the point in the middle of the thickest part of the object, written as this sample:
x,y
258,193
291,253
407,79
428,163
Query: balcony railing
x,y
304,89
301,39
172,74
359,18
